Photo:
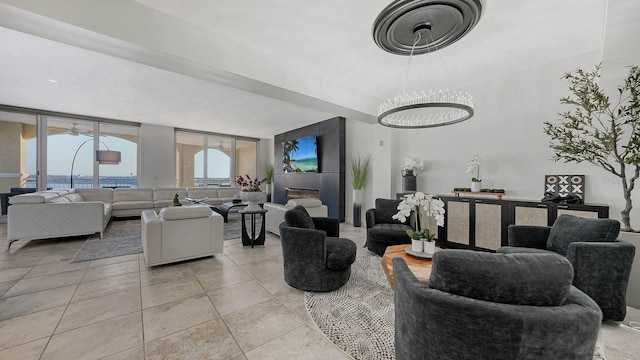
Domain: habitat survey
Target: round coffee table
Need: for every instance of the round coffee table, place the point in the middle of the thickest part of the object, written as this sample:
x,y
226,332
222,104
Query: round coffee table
x,y
420,267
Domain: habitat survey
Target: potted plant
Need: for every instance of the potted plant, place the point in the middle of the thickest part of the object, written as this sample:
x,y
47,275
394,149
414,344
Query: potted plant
x,y
474,166
421,239
410,168
600,132
251,192
359,171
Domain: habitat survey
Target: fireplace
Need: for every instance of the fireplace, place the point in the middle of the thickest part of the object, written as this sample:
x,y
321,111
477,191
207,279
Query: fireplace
x,y
301,193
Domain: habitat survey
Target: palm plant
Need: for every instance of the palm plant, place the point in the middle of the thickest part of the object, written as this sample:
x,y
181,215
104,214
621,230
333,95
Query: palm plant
x,y
359,171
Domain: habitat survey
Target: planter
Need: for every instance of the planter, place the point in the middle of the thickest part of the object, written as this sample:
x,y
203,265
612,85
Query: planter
x,y
252,198
417,245
633,289
269,191
430,247
476,186
358,196
408,181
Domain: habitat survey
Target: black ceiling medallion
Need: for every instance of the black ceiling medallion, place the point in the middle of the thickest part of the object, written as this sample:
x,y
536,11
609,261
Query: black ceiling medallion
x,y
449,20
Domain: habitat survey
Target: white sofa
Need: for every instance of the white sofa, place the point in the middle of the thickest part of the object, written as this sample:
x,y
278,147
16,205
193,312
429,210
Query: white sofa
x,y
70,212
275,212
55,213
180,233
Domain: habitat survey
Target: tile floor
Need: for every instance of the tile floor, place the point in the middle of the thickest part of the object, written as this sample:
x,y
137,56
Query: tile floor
x,y
232,306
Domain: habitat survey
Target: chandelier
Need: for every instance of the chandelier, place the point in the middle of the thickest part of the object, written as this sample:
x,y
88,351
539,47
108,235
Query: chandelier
x,y
408,27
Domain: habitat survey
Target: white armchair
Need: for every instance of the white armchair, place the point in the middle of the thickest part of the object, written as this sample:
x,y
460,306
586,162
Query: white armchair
x,y
180,233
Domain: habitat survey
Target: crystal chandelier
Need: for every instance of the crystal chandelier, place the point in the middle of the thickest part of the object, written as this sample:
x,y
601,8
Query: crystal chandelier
x,y
400,29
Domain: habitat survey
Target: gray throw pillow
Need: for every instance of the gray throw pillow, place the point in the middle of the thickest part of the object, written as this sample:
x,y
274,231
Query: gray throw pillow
x,y
518,279
298,217
568,229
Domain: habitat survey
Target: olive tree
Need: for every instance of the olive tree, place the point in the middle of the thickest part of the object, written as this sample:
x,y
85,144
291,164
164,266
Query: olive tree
x,y
599,131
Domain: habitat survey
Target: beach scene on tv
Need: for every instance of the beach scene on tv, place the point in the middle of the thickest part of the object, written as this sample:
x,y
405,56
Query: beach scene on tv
x,y
300,155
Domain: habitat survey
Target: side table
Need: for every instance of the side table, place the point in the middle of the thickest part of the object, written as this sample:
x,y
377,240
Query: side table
x,y
252,239
420,267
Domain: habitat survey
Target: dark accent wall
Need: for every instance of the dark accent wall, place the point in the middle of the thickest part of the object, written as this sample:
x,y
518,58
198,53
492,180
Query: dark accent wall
x,y
330,179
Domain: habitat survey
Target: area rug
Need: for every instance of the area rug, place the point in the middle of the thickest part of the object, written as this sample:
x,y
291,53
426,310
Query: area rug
x,y
359,317
123,237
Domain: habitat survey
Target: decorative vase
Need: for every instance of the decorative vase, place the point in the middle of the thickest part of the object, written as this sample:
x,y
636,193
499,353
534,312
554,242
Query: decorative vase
x,y
417,245
408,181
429,247
358,196
268,190
252,198
476,186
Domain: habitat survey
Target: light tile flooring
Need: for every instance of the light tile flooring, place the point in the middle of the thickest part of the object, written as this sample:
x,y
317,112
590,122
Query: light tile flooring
x,y
232,306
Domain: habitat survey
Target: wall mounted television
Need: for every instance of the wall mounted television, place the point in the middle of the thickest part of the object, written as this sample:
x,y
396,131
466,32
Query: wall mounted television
x,y
300,155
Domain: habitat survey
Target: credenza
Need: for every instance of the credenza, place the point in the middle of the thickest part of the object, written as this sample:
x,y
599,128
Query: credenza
x,y
481,224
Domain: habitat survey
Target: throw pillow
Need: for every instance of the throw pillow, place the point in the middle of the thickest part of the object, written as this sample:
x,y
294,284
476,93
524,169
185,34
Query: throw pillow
x,y
569,228
298,217
518,279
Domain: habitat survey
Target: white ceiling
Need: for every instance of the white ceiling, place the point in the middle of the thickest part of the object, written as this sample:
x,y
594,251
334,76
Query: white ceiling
x,y
258,68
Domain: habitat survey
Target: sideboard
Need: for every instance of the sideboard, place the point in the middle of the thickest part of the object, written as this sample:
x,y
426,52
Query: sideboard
x,y
481,224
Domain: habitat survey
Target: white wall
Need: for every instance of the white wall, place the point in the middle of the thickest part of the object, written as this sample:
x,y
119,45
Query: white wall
x,y
157,156
507,131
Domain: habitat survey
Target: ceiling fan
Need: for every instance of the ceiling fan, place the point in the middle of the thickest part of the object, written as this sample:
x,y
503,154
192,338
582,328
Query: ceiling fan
x,y
74,130
222,147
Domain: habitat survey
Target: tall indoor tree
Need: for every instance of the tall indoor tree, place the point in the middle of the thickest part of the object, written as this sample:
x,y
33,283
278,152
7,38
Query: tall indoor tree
x,y
599,131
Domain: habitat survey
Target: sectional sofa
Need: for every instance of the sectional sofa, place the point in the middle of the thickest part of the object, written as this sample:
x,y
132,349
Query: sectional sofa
x,y
71,212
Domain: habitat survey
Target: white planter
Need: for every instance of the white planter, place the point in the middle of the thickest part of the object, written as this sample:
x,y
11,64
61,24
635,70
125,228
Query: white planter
x,y
476,186
429,247
633,289
416,245
252,198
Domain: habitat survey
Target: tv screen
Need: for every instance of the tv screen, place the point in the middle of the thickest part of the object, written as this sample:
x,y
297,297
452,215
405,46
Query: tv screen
x,y
300,155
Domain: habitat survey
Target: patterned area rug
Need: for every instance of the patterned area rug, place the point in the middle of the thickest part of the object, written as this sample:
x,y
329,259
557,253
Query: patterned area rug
x,y
123,237
359,317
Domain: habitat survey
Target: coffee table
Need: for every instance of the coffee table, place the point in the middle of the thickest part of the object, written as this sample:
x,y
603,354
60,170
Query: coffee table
x,y
224,209
420,267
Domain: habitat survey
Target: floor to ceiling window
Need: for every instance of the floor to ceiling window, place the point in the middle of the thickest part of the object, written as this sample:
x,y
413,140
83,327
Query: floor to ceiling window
x,y
17,153
212,160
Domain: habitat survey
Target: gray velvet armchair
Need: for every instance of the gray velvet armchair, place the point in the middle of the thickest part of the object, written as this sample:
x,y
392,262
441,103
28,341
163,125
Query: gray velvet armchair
x,y
315,257
601,263
480,305
382,230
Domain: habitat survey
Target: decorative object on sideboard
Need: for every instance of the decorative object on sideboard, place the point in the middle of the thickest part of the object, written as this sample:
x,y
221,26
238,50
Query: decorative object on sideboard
x,y
564,188
408,27
359,172
498,193
422,205
410,168
474,166
600,131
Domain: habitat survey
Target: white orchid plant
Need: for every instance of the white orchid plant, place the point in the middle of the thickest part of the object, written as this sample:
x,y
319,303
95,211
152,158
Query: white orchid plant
x,y
474,166
433,209
411,164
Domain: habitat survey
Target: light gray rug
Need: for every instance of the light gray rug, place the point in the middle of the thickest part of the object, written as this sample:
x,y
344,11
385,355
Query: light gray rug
x,y
359,317
123,237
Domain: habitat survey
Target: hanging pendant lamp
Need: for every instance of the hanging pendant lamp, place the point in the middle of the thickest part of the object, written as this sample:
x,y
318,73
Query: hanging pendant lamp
x,y
413,27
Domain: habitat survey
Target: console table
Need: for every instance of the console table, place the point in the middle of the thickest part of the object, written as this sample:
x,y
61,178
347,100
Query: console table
x,y
483,223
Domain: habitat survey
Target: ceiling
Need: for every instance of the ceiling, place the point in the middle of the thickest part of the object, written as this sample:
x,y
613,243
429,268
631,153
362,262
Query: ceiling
x,y
259,68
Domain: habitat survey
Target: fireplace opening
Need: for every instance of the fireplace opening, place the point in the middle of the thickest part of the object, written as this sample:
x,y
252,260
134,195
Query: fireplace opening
x,y
301,193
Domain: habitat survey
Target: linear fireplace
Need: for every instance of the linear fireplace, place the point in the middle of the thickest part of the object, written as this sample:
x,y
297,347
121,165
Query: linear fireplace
x,y
300,193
